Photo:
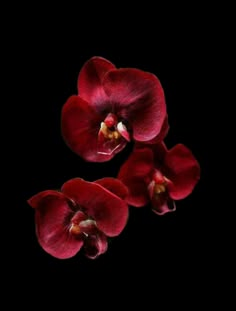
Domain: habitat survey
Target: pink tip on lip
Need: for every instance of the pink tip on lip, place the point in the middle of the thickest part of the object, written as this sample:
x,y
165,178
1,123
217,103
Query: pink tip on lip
x,y
110,120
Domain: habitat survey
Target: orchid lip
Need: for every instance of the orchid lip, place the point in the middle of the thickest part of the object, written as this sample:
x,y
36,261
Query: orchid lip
x,y
108,133
111,139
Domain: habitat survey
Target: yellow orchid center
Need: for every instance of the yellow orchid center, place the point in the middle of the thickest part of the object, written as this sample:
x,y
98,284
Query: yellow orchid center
x,y
160,182
75,229
159,188
108,133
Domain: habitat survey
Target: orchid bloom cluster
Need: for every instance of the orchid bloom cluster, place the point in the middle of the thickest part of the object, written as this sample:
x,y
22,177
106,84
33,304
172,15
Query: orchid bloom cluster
x,y
113,107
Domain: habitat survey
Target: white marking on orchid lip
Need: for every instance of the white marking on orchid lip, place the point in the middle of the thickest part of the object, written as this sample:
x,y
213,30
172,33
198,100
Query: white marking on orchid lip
x,y
122,129
88,222
103,128
104,153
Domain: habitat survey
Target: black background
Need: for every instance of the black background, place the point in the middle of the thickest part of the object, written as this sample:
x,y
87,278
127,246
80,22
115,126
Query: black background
x,y
157,255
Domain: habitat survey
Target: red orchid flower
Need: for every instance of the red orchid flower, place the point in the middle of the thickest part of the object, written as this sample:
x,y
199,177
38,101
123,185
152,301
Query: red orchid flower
x,y
113,107
157,175
81,214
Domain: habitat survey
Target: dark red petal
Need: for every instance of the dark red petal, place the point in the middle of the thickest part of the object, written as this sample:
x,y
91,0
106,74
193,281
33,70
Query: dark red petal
x,y
138,97
159,151
138,194
134,174
183,171
52,217
138,165
36,200
113,185
109,211
80,127
90,79
95,245
164,131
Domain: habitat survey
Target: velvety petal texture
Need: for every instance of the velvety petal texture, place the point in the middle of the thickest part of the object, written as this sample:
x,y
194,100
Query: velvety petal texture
x,y
134,172
90,79
109,147
113,185
107,209
183,170
52,218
